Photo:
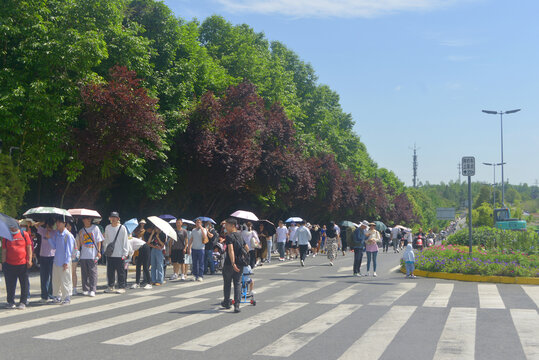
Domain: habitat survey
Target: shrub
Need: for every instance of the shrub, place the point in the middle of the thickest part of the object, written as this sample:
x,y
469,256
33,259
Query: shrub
x,y
492,238
11,187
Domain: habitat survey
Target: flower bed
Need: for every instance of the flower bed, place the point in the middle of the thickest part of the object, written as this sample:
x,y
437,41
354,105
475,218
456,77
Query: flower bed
x,y
456,259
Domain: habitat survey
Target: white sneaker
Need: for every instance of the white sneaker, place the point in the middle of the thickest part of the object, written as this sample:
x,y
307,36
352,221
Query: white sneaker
x,y
374,274
43,301
92,294
147,286
75,291
183,277
85,293
302,263
135,286
200,279
331,263
120,291
173,277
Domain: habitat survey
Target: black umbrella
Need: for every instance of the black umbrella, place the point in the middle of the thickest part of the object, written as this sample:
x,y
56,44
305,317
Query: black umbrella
x,y
268,226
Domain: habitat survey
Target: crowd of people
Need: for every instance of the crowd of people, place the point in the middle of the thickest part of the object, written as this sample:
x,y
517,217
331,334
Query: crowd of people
x,y
234,249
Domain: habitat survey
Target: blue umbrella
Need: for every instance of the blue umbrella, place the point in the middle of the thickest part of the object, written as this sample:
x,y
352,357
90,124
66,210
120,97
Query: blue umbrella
x,y
167,217
5,223
131,225
204,219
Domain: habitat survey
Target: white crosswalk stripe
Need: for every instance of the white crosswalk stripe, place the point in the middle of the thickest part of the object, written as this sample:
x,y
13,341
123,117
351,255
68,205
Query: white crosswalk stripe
x,y
527,325
341,296
489,297
239,328
72,314
391,296
291,342
300,292
439,297
458,337
117,320
533,293
376,339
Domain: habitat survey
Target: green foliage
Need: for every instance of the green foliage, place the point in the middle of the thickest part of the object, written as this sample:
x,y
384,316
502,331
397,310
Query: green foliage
x,y
492,238
456,259
483,215
11,187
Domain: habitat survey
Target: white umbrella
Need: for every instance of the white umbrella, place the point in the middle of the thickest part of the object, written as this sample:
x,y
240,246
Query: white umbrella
x,y
245,215
84,213
294,220
136,243
164,227
189,222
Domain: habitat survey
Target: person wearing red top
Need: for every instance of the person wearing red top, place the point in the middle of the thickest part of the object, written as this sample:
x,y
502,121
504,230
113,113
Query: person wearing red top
x,y
16,260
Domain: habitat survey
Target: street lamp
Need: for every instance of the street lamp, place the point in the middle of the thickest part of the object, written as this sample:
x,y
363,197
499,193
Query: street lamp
x,y
494,182
501,126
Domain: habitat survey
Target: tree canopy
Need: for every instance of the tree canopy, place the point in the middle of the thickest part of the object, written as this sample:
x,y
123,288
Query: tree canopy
x,y
120,103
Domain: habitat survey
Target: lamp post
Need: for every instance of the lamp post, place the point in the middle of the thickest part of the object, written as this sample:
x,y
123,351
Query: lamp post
x,y
501,113
494,182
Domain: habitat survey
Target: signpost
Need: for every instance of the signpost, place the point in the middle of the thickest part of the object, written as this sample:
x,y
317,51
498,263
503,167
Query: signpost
x,y
468,169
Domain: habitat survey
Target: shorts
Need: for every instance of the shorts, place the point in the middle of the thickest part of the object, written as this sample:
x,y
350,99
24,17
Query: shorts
x,y
293,245
177,256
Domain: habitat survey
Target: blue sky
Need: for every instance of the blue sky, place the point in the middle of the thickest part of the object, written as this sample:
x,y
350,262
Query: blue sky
x,y
416,71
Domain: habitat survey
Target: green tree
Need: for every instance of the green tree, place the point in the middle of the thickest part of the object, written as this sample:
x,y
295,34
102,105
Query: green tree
x,y
483,215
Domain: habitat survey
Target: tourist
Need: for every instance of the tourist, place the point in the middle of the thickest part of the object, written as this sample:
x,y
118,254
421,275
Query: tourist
x,y
142,261
64,243
282,236
315,239
116,250
409,261
46,259
373,236
302,237
156,242
89,240
16,260
331,243
213,239
234,262
358,245
177,253
197,241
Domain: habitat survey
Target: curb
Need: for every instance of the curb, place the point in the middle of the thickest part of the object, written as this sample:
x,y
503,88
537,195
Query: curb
x,y
476,278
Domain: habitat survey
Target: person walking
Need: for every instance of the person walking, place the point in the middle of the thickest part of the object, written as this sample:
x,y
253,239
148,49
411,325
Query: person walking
x,y
358,245
315,239
261,252
16,260
156,243
302,237
323,237
116,250
293,246
89,240
269,248
250,237
386,238
331,243
373,236
282,236
213,239
233,265
409,261
64,243
46,259
197,245
395,232
142,261
177,253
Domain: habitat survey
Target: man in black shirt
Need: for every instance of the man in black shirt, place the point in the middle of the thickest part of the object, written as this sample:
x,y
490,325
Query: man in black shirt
x,y
177,252
233,266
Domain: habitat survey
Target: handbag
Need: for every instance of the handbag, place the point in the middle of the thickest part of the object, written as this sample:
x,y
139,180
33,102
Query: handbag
x,y
187,259
110,247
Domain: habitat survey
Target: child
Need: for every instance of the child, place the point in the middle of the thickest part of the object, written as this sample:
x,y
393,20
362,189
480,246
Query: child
x,y
247,278
409,260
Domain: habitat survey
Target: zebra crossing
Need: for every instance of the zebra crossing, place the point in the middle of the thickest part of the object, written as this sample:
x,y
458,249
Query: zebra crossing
x,y
293,316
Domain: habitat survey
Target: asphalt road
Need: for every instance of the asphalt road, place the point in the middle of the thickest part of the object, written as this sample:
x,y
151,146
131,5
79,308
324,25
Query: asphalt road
x,y
315,312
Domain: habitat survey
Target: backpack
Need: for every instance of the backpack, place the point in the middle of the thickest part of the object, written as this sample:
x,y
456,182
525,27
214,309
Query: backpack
x,y
242,257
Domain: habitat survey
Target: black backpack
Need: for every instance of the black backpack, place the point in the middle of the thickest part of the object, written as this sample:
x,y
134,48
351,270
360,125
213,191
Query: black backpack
x,y
242,258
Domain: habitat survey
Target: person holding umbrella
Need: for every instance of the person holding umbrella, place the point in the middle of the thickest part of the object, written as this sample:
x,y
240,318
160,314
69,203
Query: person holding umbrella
x,y
89,240
46,259
156,242
64,243
16,260
116,250
358,245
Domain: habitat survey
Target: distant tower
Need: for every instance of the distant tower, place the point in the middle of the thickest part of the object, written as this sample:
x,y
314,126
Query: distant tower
x,y
414,165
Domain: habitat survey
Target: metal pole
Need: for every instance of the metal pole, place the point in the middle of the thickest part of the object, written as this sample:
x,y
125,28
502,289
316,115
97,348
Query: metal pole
x,y
470,212
503,181
494,187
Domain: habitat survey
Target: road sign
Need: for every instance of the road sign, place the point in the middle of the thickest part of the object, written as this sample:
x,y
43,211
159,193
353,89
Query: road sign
x,y
468,166
445,213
